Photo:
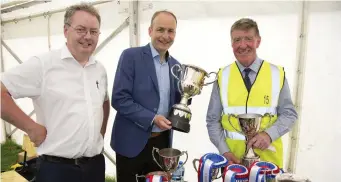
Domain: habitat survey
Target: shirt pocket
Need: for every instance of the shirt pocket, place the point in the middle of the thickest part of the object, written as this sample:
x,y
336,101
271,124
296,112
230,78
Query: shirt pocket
x,y
97,94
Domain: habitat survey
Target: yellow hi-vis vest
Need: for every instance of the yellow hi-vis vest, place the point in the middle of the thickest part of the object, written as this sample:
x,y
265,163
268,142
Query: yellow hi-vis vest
x,y
262,99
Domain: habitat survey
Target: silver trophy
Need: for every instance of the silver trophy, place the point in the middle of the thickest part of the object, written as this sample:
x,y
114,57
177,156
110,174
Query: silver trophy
x,y
190,82
152,175
249,125
169,159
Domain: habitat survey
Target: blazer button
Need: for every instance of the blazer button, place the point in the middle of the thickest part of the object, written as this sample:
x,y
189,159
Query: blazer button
x,y
155,109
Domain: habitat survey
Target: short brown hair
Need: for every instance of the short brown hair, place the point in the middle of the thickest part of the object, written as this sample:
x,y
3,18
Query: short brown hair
x,y
70,11
245,24
162,11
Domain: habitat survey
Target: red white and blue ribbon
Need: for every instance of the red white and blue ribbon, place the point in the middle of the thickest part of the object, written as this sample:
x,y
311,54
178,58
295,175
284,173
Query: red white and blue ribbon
x,y
261,170
154,178
208,163
235,172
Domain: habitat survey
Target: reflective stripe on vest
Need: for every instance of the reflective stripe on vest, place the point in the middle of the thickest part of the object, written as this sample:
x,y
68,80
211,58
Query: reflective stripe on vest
x,y
241,109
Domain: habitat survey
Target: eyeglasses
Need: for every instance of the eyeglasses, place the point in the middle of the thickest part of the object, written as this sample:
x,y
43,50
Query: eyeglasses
x,y
83,31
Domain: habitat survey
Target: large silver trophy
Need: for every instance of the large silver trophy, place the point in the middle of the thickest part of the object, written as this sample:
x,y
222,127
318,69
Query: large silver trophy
x,y
190,82
250,126
168,159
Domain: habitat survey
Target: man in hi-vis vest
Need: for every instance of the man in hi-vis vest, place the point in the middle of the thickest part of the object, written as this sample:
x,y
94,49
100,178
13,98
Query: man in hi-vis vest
x,y
250,85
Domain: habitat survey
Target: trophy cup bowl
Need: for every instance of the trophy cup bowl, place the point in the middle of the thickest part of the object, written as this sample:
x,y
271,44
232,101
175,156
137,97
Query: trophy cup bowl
x,y
190,82
216,162
168,159
250,125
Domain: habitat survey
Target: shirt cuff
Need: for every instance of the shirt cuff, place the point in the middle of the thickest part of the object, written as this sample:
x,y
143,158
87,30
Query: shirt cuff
x,y
153,120
9,86
273,133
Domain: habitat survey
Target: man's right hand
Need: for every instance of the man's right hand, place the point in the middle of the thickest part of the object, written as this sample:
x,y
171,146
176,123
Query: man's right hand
x,y
231,158
162,122
37,134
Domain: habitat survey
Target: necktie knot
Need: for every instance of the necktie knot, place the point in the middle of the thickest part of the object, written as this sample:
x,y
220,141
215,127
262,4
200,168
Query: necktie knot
x,y
247,71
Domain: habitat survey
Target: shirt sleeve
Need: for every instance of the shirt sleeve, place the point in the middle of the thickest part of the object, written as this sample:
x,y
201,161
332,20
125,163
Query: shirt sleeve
x,y
24,80
286,112
213,120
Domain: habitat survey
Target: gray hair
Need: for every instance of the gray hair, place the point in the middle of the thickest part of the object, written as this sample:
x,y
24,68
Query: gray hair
x,y
245,24
70,11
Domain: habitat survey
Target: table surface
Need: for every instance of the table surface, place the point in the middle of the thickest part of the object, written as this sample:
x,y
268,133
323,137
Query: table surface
x,y
12,176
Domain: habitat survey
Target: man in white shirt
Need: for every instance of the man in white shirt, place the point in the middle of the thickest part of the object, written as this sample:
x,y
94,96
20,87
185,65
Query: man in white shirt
x,y
69,92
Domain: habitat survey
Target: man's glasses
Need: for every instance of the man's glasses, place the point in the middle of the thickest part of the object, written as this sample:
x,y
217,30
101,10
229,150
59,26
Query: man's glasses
x,y
83,31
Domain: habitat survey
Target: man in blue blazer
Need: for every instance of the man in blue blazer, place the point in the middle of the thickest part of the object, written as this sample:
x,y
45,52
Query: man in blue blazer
x,y
144,92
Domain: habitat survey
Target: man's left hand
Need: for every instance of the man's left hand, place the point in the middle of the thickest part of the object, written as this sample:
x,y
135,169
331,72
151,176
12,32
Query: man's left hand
x,y
261,140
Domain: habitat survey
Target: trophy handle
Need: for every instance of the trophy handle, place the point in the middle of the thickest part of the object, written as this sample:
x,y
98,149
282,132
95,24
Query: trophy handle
x,y
270,117
157,150
179,70
229,119
216,78
184,152
195,167
179,88
137,177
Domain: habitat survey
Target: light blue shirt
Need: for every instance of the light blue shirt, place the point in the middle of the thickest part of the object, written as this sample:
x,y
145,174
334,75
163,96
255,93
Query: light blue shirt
x,y
162,74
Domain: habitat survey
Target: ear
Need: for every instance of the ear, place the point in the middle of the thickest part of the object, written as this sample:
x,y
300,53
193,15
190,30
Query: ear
x,y
150,29
258,41
65,31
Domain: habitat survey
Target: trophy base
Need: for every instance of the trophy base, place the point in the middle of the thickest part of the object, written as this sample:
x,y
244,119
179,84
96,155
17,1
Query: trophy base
x,y
180,119
247,162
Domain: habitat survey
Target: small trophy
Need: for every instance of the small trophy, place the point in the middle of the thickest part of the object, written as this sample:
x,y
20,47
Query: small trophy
x,y
169,159
154,176
190,82
250,126
209,166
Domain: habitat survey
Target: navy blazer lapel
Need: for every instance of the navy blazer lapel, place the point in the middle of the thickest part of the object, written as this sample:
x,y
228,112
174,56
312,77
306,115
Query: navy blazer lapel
x,y
149,62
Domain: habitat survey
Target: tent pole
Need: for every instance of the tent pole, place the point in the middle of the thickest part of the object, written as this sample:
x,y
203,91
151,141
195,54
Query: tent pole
x,y
15,20
11,51
134,26
299,87
112,35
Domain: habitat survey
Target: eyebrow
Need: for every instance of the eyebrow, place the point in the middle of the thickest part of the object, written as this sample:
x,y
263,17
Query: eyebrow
x,y
81,26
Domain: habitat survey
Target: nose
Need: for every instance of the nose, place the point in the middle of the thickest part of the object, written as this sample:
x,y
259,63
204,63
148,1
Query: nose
x,y
243,44
87,35
165,35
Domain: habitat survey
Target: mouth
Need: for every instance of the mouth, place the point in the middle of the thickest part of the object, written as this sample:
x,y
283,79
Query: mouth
x,y
244,51
85,44
165,43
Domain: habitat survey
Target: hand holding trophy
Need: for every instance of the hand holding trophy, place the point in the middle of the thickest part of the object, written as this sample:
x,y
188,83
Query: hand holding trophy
x,y
250,126
190,82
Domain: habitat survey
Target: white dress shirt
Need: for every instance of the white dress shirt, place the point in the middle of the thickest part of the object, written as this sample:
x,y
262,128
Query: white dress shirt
x,y
68,100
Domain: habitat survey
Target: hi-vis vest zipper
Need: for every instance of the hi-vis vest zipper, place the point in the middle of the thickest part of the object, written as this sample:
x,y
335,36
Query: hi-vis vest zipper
x,y
262,99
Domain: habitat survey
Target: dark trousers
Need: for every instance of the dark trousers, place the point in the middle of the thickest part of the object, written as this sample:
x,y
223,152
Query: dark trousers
x,y
143,163
92,170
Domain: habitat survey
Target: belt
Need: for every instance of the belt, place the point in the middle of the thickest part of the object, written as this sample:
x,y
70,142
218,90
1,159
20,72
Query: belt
x,y
155,134
56,159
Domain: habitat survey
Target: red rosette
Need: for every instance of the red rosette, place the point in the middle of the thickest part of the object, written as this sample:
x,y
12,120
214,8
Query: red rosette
x,y
268,168
241,171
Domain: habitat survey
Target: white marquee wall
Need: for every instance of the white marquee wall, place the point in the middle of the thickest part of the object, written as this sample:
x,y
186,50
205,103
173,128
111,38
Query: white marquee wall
x,y
203,39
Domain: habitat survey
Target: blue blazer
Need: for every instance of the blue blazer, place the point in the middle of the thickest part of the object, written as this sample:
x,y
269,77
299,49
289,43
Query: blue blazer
x,y
135,97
